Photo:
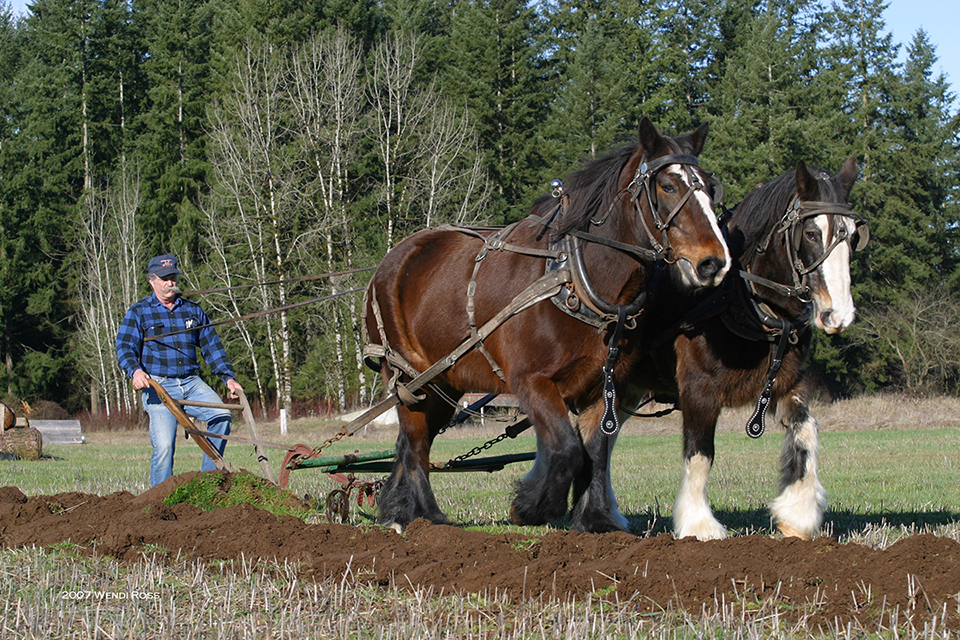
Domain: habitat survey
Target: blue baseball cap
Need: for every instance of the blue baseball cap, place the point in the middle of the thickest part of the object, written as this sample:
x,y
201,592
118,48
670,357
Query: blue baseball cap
x,y
163,266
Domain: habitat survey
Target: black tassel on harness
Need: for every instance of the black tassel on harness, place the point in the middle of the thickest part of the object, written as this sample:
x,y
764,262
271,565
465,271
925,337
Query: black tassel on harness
x,y
609,421
756,423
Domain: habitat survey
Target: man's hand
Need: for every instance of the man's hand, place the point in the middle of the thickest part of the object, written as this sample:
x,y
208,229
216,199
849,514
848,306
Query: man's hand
x,y
234,387
140,378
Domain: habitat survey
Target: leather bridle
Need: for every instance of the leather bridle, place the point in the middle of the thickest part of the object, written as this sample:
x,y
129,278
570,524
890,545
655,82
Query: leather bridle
x,y
643,183
791,226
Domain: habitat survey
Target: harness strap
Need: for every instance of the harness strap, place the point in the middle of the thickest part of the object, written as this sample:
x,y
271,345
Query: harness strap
x,y
396,361
756,423
641,253
548,285
784,290
471,292
609,421
494,242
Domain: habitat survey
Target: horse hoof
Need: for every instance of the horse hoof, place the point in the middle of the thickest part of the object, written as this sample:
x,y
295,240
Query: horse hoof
x,y
790,532
396,526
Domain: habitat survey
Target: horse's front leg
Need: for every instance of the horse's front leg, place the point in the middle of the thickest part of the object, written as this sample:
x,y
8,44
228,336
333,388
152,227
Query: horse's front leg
x,y
407,495
798,509
595,507
543,494
692,515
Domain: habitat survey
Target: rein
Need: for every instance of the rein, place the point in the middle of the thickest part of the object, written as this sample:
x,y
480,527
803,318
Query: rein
x,y
253,315
318,276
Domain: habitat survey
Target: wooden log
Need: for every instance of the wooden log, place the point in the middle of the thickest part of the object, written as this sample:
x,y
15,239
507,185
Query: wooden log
x,y
7,417
25,443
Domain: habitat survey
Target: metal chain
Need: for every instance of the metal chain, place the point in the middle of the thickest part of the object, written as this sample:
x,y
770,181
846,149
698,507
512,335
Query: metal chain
x,y
479,449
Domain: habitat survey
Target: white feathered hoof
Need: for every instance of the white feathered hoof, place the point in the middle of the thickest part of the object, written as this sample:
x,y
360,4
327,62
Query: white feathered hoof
x,y
790,532
706,529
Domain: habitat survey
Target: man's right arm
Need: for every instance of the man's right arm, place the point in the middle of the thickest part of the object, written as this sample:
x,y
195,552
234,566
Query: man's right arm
x,y
130,345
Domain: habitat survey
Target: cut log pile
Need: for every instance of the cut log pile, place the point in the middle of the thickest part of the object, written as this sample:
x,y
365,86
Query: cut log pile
x,y
18,440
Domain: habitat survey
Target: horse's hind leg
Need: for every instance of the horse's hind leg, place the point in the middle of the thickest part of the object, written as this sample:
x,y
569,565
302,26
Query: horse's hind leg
x,y
407,494
595,508
542,496
798,509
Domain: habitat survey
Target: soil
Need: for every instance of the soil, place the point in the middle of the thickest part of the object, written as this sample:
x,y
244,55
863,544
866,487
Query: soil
x,y
819,582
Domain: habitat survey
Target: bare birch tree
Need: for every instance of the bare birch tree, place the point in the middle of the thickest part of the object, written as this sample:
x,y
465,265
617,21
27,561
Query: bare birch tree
x,y
257,184
109,283
326,96
399,109
453,185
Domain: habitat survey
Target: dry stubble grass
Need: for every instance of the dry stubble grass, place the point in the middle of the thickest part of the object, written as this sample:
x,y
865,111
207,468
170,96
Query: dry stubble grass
x,y
59,593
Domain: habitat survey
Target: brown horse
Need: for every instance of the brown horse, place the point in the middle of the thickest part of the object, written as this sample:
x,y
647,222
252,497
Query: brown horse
x,y
746,341
436,304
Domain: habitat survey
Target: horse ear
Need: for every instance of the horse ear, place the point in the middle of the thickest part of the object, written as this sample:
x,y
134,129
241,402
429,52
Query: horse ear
x,y
848,173
806,185
699,138
650,138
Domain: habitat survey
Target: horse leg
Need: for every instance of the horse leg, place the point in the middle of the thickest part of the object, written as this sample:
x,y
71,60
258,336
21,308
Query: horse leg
x,y
407,495
595,508
692,515
798,509
542,495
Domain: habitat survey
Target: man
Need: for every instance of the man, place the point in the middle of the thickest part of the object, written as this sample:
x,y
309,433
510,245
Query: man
x,y
172,362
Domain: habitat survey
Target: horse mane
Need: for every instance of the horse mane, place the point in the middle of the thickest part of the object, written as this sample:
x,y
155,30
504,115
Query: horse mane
x,y
590,189
764,207
593,187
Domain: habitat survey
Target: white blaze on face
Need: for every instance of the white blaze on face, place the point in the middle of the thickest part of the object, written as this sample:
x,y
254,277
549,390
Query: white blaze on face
x,y
834,307
688,270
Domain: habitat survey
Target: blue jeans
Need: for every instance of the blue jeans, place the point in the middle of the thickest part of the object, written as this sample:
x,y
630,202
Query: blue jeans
x,y
163,425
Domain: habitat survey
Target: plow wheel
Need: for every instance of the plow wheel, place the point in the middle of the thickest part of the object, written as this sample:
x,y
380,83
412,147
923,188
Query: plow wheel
x,y
338,505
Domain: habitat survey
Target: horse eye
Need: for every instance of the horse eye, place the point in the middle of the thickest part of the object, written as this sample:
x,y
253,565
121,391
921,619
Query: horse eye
x,y
812,235
668,188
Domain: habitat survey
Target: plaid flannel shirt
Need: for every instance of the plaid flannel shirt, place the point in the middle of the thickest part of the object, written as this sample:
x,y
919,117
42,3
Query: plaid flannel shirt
x,y
173,356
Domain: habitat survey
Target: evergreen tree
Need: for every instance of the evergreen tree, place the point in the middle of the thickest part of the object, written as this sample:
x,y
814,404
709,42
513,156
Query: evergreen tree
x,y
929,162
594,51
773,106
685,39
43,184
10,334
493,63
914,231
172,146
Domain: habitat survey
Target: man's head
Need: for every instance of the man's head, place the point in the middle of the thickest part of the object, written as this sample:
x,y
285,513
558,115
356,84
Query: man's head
x,y
162,266
162,272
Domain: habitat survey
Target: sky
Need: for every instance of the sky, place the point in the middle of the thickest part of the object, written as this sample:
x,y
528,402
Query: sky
x,y
939,18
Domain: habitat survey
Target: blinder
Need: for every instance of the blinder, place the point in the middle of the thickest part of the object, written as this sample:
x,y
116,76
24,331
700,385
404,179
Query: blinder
x,y
861,235
716,188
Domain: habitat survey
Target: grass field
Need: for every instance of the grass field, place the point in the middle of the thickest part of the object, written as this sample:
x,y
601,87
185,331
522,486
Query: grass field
x,y
890,466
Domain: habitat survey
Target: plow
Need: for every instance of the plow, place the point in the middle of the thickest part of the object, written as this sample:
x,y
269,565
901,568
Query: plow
x,y
342,469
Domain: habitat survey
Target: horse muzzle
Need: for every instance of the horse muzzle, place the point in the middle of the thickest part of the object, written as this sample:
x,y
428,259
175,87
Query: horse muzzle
x,y
834,321
708,272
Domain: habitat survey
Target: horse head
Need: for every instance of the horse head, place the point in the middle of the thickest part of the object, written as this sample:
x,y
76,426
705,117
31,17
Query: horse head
x,y
675,199
804,254
823,240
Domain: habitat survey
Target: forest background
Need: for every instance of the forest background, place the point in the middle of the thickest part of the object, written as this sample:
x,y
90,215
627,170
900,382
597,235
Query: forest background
x,y
267,140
